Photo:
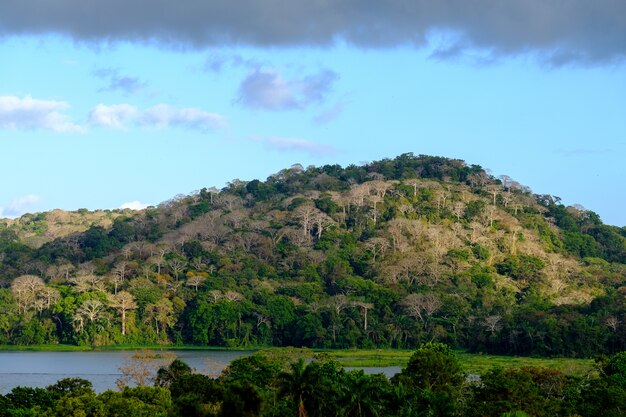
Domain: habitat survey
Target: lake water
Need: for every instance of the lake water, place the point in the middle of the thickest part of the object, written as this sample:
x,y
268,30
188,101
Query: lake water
x,y
40,369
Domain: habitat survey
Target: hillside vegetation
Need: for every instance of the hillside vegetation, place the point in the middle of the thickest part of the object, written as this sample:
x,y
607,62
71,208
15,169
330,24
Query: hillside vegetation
x,y
389,254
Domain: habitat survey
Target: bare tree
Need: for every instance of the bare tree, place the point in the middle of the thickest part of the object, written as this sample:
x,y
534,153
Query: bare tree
x,y
420,306
458,209
25,289
233,296
228,201
142,366
397,232
358,193
612,323
492,323
376,246
161,314
158,259
90,309
49,295
123,301
119,272
305,214
146,270
195,281
66,269
216,295
177,266
494,190
365,306
321,220
415,183
198,263
87,283
380,187
338,303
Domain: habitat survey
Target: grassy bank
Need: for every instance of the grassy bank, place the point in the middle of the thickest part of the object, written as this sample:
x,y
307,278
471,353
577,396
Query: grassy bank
x,y
45,348
472,363
74,348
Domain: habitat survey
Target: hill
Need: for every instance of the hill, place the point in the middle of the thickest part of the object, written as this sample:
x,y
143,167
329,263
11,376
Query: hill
x,y
389,254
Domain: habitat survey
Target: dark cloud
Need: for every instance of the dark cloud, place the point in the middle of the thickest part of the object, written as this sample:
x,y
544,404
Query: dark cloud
x,y
268,89
587,31
116,82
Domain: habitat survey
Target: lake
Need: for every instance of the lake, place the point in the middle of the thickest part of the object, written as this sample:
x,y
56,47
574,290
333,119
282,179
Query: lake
x,y
40,369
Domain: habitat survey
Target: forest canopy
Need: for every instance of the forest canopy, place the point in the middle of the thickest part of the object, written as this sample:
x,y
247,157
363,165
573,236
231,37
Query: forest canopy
x,y
392,253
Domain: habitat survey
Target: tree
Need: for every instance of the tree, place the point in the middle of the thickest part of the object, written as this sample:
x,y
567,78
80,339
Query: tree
x,y
365,306
25,290
88,282
420,306
310,387
162,314
142,367
435,378
177,266
123,301
195,281
119,274
376,246
90,310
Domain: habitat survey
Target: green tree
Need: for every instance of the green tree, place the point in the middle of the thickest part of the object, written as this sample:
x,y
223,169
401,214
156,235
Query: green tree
x,y
434,379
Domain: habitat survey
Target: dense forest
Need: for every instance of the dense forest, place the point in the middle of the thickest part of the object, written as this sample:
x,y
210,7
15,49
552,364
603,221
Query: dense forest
x,y
393,253
279,384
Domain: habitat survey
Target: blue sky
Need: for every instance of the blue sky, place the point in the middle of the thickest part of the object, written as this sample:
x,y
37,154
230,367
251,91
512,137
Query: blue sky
x,y
98,112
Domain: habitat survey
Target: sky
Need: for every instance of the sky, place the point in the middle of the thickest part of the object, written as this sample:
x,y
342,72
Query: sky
x,y
128,103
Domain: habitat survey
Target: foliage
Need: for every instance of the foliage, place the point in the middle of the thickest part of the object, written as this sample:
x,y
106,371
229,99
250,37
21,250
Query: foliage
x,y
388,254
282,383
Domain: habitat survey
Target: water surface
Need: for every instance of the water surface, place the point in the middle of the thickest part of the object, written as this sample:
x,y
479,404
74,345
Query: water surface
x,y
40,369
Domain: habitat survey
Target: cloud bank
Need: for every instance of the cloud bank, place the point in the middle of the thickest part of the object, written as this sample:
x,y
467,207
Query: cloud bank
x,y
563,31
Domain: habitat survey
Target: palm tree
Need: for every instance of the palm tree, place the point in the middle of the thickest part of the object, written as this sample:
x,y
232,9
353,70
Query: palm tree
x,y
362,394
299,384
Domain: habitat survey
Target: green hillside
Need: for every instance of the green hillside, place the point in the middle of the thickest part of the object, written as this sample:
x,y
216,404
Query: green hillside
x,y
389,254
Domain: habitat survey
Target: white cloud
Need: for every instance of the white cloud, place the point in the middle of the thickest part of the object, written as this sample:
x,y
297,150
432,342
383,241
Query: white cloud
x,y
268,89
113,117
33,114
19,206
134,205
163,115
297,145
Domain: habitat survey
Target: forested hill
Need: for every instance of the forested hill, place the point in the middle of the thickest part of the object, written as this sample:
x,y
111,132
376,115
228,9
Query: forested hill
x,y
390,254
